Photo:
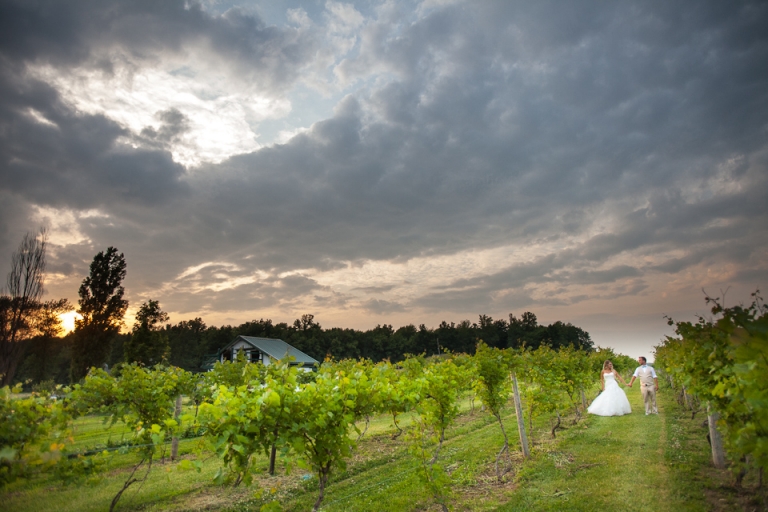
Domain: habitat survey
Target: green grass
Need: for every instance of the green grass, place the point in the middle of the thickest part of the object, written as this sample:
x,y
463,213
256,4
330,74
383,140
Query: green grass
x,y
389,479
91,432
607,462
631,462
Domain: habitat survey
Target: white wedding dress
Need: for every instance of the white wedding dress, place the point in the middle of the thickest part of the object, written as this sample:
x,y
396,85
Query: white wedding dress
x,y
612,401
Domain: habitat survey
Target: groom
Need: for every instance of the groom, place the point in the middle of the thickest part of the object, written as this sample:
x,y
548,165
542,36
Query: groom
x,y
649,385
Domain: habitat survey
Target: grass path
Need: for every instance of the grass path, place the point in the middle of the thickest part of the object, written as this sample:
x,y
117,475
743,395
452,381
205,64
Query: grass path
x,y
624,462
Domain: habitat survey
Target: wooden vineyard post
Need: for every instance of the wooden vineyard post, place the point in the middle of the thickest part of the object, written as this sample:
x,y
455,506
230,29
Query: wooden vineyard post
x,y
718,454
520,419
175,440
687,400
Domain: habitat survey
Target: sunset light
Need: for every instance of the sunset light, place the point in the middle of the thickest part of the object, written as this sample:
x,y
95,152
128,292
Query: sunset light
x,y
68,320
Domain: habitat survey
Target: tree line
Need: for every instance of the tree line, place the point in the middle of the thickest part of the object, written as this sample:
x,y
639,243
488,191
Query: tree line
x,y
32,348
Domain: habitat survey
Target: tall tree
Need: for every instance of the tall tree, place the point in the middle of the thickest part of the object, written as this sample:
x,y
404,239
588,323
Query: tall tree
x,y
148,345
102,308
21,303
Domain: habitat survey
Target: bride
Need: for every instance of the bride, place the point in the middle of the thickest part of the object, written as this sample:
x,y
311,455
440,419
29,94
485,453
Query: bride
x,y
612,401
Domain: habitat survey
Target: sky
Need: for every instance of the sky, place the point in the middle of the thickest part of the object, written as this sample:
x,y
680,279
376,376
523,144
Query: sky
x,y
398,162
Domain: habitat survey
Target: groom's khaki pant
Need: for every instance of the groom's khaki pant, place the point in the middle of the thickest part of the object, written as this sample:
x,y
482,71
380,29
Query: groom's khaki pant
x,y
649,398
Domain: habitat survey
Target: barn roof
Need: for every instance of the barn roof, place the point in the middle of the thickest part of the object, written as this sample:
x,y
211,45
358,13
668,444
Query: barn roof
x,y
276,349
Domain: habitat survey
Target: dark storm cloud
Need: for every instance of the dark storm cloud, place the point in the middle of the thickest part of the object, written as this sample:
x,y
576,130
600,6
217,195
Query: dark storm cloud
x,y
662,226
489,124
54,155
89,32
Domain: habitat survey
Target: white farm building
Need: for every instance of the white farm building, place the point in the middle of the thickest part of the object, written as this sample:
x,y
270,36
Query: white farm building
x,y
260,350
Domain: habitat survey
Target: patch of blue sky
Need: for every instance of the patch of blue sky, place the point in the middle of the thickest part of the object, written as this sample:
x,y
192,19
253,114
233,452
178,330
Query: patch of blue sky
x,y
308,106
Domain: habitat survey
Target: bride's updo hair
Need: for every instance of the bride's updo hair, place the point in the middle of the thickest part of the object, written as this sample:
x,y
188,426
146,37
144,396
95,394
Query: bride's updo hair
x,y
606,363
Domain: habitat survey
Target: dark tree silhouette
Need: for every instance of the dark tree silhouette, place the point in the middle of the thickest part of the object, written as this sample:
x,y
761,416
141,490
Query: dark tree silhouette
x,y
102,308
22,303
148,345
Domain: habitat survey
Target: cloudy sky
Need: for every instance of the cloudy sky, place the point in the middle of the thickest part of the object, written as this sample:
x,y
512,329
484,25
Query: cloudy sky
x,y
394,161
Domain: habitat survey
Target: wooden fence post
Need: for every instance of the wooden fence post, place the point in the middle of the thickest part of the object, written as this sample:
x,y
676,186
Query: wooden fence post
x,y
687,399
175,440
718,454
520,419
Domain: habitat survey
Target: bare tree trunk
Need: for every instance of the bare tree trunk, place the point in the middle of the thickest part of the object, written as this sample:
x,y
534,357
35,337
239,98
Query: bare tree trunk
x,y
577,413
718,454
397,426
742,472
439,447
504,449
557,425
175,440
367,423
583,399
520,419
272,457
10,363
25,289
130,481
322,481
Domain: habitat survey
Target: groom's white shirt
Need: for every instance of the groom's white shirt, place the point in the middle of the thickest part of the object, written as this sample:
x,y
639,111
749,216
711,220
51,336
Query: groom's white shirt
x,y
653,372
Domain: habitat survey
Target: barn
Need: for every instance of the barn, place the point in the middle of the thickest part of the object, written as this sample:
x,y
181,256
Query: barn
x,y
260,350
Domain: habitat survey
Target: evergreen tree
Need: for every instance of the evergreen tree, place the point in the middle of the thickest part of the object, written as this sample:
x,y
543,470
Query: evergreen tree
x,y
148,345
102,308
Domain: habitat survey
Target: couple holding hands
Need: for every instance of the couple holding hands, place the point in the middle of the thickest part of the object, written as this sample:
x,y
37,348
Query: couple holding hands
x,y
613,401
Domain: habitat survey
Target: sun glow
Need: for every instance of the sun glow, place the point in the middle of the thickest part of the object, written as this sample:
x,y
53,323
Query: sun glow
x,y
68,320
